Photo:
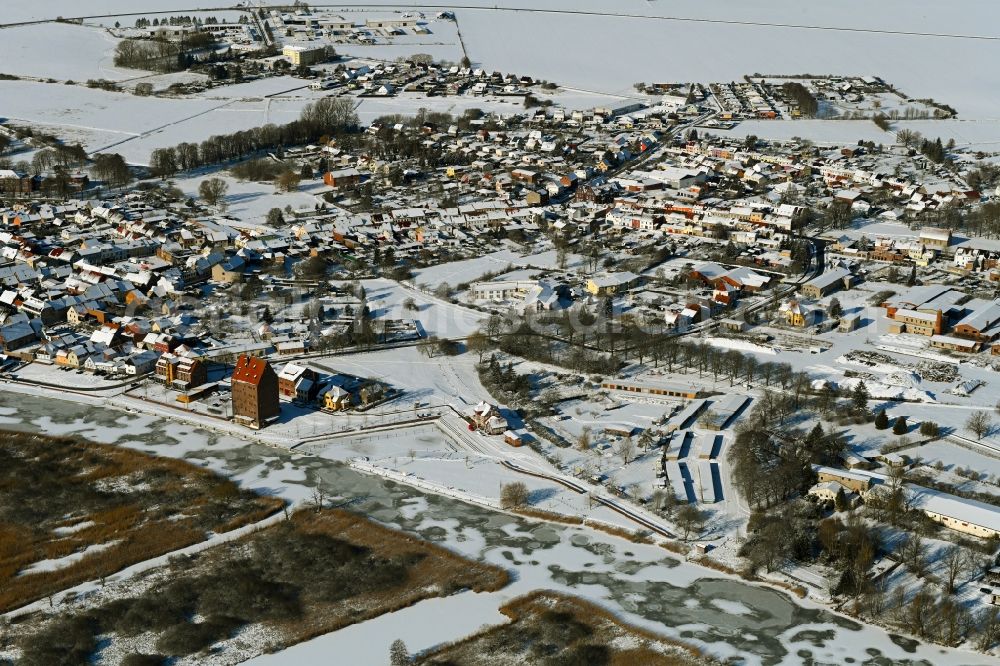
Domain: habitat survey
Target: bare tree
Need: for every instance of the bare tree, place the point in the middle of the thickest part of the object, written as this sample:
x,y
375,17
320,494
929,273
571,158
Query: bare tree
x,y
955,563
583,441
287,181
213,190
329,114
689,519
478,342
513,495
494,325
979,424
443,290
987,624
318,499
912,552
626,450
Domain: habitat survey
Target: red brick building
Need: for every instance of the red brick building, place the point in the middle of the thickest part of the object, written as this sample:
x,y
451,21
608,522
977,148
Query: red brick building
x,y
255,392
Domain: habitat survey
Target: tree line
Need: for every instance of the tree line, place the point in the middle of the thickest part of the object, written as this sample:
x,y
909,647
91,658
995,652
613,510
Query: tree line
x,y
156,55
326,117
800,95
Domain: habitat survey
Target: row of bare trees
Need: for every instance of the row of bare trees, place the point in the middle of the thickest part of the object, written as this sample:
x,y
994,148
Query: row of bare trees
x,y
156,55
324,118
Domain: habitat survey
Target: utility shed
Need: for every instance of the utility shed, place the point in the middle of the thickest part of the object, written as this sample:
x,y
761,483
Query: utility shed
x,y
707,473
725,409
686,415
676,445
676,482
704,446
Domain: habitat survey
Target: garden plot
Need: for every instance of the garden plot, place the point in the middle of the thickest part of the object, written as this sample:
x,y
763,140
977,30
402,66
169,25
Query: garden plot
x,y
425,380
371,108
465,271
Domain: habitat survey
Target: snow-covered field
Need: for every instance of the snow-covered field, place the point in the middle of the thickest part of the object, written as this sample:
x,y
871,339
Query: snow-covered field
x,y
419,626
920,65
104,121
250,201
387,298
98,118
852,37
428,380
975,133
470,270
819,131
61,51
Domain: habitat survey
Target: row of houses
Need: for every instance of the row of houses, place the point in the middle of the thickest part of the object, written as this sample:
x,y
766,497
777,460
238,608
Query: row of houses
x,y
956,513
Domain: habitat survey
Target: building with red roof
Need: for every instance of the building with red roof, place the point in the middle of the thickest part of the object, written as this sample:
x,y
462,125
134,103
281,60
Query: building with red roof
x,y
255,392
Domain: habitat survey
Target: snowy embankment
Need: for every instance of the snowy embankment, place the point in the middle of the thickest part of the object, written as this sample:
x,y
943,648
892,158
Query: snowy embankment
x,y
69,560
423,484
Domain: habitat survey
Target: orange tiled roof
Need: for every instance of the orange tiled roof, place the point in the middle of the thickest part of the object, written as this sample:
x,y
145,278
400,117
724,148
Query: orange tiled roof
x,y
249,369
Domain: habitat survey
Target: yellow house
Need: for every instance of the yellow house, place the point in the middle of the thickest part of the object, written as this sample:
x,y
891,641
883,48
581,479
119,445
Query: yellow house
x,y
337,399
136,297
76,357
612,283
795,314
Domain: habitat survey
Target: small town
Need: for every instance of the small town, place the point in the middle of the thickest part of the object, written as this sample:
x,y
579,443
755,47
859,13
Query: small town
x,y
317,323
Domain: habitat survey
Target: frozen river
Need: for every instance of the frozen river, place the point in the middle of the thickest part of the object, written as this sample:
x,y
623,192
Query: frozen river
x,y
645,584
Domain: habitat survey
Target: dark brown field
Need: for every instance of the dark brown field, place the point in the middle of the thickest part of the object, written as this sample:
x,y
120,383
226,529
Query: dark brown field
x,y
135,505
307,576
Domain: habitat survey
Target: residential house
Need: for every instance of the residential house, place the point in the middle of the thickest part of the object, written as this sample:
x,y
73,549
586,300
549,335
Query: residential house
x,y
337,399
290,376
798,314
827,282
487,418
229,271
854,481
935,238
342,178
612,283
